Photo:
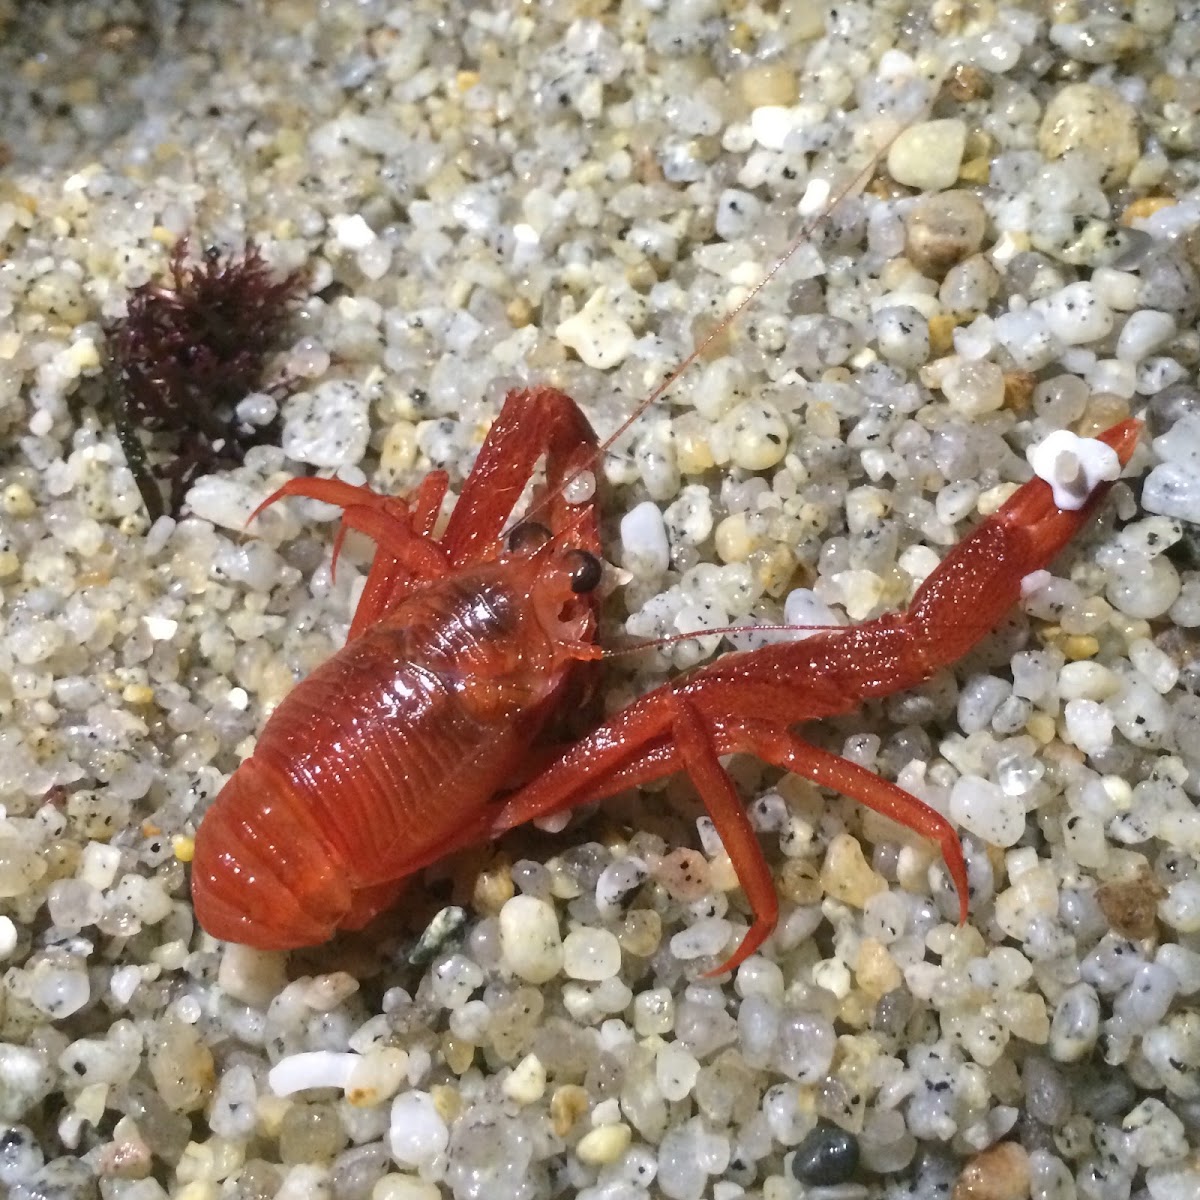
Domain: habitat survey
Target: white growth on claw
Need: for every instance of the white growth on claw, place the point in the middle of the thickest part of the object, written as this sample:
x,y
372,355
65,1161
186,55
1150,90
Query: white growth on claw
x,y
1073,466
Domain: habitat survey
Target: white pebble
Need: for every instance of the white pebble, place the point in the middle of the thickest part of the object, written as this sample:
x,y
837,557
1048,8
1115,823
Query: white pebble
x,y
704,937
645,549
529,939
351,231
675,1070
1089,726
597,333
928,155
329,426
526,1082
1075,314
591,954
8,937
416,1134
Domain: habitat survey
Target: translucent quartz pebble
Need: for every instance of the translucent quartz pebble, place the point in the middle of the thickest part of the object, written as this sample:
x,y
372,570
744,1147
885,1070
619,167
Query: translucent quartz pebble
x,y
984,809
1173,487
707,936
1075,1024
1147,997
1173,1181
20,1154
617,880
1089,725
1156,1133
57,988
974,388
902,335
1026,335
687,1155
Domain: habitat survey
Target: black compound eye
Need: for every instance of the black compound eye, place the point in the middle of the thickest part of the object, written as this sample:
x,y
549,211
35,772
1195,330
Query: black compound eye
x,y
585,571
528,537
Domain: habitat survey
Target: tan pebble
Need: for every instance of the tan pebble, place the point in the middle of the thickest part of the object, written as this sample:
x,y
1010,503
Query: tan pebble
x,y
856,1009
526,1083
1131,905
684,873
768,83
943,229
847,876
604,1144
693,454
1145,206
722,873
966,82
399,452
876,970
567,1105
733,539
404,1187
773,568
976,170
270,1111
927,155
941,333
1026,1016
1041,728
493,886
458,1053
641,932
1080,646
447,1100
1104,409
519,312
1001,1172
800,882
1018,390
17,502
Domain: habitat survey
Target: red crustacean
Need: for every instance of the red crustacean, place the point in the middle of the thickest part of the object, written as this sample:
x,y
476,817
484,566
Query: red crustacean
x,y
389,756
399,749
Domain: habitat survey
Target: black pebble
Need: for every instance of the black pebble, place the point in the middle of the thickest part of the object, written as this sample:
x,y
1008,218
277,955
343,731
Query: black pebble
x,y
828,1155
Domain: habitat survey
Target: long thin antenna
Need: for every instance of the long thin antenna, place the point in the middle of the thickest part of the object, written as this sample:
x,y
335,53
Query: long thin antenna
x,y
810,226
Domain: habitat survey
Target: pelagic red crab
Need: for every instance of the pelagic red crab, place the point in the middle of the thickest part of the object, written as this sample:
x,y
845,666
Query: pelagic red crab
x,y
408,743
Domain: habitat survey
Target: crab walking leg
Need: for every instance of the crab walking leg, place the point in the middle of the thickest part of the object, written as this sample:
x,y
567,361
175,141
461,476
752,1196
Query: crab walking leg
x,y
539,421
749,701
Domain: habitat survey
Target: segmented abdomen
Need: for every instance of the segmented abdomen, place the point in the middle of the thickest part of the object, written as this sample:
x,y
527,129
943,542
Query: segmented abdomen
x,y
372,767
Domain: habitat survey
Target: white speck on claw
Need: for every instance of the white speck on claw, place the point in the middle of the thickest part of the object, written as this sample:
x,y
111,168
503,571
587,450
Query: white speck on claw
x,y
1073,466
